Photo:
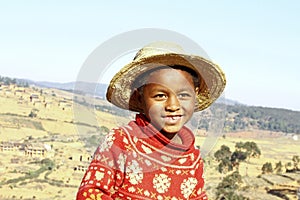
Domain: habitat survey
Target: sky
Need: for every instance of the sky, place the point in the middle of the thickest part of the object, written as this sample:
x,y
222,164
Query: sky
x,y
256,43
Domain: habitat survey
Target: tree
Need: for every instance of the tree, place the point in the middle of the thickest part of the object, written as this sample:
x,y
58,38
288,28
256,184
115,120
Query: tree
x,y
223,156
296,161
250,148
33,113
226,189
104,129
225,166
278,167
13,81
237,157
289,167
223,153
267,168
49,164
228,160
239,145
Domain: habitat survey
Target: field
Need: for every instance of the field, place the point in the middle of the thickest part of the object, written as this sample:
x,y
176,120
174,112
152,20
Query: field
x,y
254,183
47,142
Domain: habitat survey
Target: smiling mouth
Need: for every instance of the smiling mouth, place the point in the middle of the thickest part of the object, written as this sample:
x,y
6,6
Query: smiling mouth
x,y
172,118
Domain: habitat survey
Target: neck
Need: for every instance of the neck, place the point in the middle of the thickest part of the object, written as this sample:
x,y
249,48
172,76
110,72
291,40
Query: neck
x,y
173,137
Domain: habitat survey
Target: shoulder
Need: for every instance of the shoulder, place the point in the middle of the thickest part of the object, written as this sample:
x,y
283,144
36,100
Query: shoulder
x,y
116,137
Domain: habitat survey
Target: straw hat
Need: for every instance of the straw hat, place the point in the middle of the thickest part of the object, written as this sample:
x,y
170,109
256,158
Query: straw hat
x,y
154,55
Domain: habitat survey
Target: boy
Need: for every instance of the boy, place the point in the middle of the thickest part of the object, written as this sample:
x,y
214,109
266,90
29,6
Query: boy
x,y
154,156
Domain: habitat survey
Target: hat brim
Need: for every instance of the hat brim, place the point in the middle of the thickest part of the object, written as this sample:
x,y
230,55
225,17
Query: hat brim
x,y
212,78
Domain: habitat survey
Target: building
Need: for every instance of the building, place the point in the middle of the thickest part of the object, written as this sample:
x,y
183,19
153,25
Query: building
x,y
35,150
10,146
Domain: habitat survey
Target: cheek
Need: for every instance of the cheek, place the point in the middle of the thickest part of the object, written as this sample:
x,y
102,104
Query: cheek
x,y
189,107
154,109
188,104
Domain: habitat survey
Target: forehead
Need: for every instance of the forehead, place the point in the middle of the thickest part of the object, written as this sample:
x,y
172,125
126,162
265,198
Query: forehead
x,y
141,79
170,78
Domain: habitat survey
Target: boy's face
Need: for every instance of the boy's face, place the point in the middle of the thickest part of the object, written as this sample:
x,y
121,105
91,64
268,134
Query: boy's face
x,y
168,100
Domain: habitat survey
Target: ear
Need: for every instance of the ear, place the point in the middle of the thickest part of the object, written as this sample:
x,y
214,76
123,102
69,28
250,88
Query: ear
x,y
140,100
139,96
136,99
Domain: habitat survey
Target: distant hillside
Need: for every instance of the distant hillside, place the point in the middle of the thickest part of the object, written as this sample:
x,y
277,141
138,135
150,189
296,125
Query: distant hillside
x,y
97,89
239,117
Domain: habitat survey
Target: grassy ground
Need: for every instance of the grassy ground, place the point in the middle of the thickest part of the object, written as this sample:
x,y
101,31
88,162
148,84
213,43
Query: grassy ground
x,y
273,150
64,129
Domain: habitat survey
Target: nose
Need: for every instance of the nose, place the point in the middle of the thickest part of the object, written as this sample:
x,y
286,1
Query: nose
x,y
172,104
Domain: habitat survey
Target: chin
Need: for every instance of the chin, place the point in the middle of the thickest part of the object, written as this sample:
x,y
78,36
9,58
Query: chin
x,y
170,131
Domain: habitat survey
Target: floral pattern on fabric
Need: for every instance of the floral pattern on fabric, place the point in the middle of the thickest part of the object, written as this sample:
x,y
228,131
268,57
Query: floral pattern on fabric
x,y
137,162
187,186
107,144
161,183
134,173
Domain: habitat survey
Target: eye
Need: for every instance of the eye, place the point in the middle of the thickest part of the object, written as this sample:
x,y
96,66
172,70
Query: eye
x,y
160,96
184,95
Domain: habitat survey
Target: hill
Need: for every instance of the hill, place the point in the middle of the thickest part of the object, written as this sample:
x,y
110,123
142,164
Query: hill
x,y
47,137
86,88
238,117
46,140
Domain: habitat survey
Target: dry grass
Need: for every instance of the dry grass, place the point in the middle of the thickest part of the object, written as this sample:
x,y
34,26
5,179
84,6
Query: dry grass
x,y
64,129
273,150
